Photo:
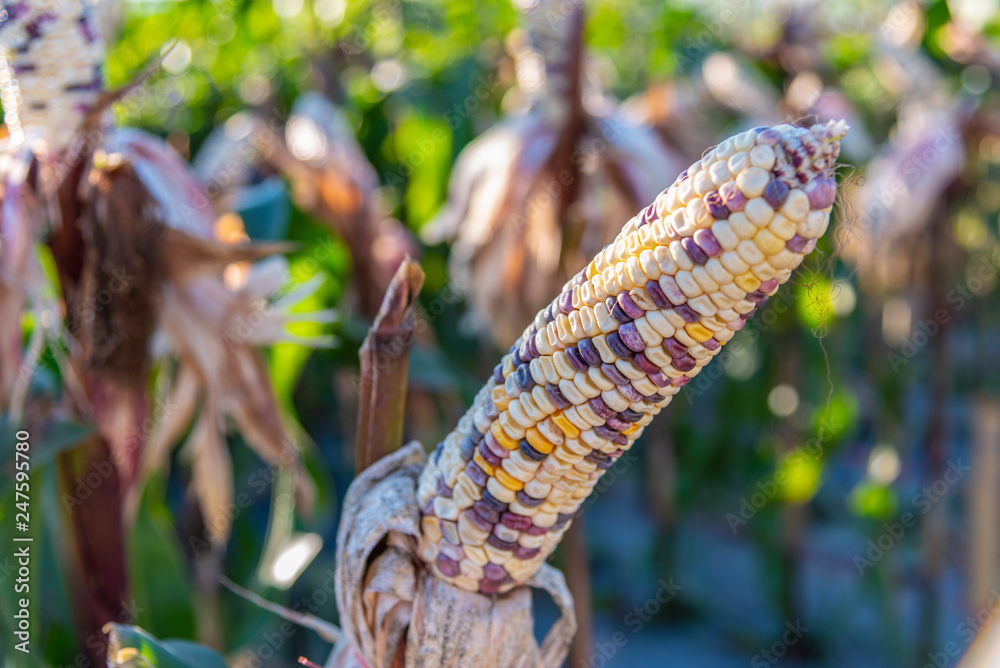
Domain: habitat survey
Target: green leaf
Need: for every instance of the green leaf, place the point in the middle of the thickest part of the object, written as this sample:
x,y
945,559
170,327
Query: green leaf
x,y
160,582
134,646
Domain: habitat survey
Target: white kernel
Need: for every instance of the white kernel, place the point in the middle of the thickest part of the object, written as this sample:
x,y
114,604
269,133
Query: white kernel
x,y
738,162
685,280
697,213
733,263
724,235
782,227
680,255
759,212
743,228
749,253
796,207
717,271
703,183
745,140
762,156
752,182
719,171
814,225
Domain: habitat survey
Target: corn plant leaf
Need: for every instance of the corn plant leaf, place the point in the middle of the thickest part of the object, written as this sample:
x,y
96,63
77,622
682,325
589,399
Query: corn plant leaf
x,y
133,646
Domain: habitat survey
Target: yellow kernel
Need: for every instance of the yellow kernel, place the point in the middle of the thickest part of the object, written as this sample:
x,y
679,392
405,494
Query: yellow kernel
x,y
747,282
768,243
499,396
567,427
483,464
509,481
698,332
631,430
501,436
537,441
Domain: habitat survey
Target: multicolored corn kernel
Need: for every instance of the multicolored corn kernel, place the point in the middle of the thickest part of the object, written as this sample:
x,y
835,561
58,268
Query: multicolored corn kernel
x,y
586,377
50,69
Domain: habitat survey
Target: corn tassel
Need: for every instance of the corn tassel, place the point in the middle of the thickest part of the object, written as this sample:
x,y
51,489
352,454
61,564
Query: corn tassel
x,y
586,377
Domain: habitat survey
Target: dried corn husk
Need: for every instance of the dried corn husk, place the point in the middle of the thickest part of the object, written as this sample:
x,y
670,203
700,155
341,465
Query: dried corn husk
x,y
395,613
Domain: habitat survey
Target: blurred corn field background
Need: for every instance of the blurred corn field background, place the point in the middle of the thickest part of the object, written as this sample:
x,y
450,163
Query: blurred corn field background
x,y
826,494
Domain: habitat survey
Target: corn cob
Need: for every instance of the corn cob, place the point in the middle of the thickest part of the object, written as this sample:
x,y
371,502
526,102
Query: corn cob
x,y
586,377
50,72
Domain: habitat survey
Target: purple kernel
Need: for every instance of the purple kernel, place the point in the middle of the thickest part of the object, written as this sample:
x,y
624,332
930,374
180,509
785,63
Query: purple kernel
x,y
641,361
617,424
442,487
630,392
501,544
617,345
712,344
493,502
655,293
628,305
605,465
707,242
684,364
498,374
776,193
476,474
515,521
821,193
467,449
488,455
549,317
576,359
674,347
565,301
686,312
620,439
557,396
494,447
525,553
716,206
447,567
797,243
528,501
524,351
613,374
528,451
605,432
588,352
523,379
601,408
698,256
494,572
617,312
734,199
680,381
488,587
630,337
768,286
533,347
768,137
630,415
659,379
487,514
535,530
479,521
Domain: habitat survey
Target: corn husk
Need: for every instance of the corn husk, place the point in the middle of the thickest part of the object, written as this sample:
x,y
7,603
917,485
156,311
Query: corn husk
x,y
394,613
